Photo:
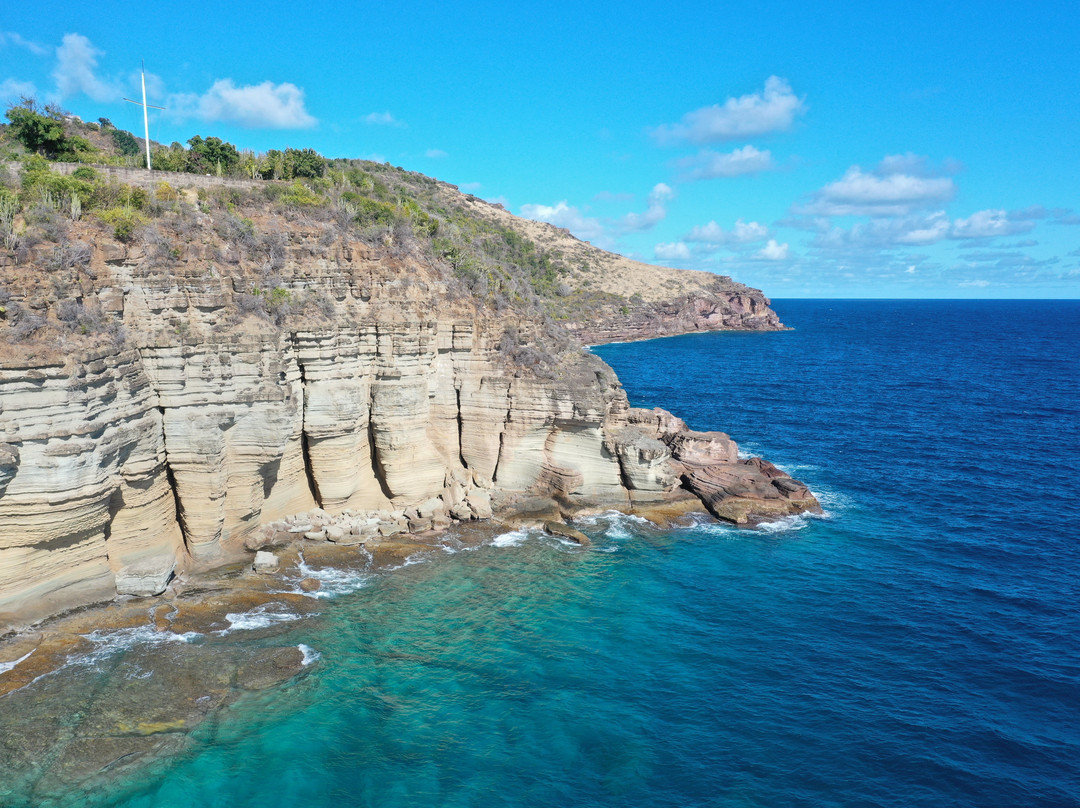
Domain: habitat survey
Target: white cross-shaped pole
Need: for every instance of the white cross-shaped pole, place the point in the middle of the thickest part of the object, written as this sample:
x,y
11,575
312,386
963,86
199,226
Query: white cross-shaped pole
x,y
145,116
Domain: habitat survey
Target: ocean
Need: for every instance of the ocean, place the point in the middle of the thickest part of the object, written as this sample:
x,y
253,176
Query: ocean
x,y
918,645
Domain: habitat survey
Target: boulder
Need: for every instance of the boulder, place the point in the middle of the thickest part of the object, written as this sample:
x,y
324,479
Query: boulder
x,y
747,490
265,562
430,507
310,585
419,525
147,577
480,503
563,530
268,538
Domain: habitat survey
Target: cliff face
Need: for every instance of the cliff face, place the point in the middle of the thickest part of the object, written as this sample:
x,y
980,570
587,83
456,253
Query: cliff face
x,y
723,307
255,378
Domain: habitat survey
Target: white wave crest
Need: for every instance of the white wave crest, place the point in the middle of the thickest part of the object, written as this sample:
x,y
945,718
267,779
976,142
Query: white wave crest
x,y
514,538
332,581
310,654
785,524
108,643
610,516
256,619
421,557
7,666
832,501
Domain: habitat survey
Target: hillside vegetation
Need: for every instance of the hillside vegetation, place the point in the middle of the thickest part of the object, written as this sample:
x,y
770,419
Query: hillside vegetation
x,y
52,214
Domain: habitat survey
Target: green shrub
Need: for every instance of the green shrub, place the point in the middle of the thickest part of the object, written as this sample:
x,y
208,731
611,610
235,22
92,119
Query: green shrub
x,y
125,222
103,195
370,211
85,173
299,195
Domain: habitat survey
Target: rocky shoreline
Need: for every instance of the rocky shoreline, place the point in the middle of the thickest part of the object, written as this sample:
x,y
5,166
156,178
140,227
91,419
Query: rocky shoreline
x,y
179,669
179,666
249,382
667,470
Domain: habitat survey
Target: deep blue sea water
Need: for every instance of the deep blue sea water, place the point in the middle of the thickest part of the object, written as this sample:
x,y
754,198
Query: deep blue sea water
x,y
919,646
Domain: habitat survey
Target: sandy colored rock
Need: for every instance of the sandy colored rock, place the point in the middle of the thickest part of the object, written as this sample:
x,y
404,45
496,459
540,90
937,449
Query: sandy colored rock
x,y
265,562
146,577
564,531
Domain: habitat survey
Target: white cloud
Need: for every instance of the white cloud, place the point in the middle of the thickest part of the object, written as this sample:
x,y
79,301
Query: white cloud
x,y
13,89
978,284
265,105
989,224
921,230
742,233
882,232
382,119
435,154
18,41
930,230
470,186
773,251
601,231
653,215
907,163
772,110
76,63
673,251
858,192
894,188
563,215
707,164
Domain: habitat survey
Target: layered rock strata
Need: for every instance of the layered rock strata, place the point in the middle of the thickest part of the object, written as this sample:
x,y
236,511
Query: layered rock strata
x,y
384,407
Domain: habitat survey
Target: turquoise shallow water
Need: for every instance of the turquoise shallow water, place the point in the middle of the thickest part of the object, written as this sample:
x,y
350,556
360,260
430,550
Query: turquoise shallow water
x,y
916,647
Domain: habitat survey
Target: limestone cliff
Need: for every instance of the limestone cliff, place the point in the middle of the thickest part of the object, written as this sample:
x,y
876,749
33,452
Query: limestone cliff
x,y
165,394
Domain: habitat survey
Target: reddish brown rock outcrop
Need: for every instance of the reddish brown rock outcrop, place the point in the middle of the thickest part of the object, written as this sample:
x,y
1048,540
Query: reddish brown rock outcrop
x,y
723,306
738,490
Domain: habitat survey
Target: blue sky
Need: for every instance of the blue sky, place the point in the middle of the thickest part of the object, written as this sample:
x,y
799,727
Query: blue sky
x,y
809,149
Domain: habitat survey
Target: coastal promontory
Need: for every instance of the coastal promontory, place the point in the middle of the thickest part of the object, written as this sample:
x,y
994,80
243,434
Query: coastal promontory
x,y
192,366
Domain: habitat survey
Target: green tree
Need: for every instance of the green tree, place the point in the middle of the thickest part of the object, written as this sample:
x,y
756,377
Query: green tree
x,y
304,163
173,158
206,155
41,133
125,142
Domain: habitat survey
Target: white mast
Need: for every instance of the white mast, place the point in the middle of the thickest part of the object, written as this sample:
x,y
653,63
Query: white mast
x,y
145,116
